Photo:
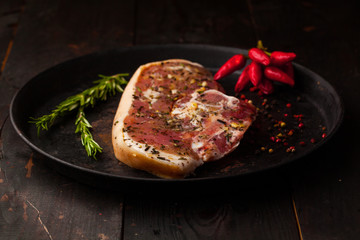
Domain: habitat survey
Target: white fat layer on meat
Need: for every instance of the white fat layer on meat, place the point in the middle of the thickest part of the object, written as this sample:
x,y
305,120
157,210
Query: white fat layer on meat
x,y
231,101
179,67
171,159
196,145
153,96
157,76
193,107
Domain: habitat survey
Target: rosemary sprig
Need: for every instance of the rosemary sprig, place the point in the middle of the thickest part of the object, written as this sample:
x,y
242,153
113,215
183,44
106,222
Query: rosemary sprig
x,y
105,86
83,127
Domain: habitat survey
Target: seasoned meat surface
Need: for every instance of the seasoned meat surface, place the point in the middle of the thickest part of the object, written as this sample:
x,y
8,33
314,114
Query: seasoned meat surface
x,y
176,116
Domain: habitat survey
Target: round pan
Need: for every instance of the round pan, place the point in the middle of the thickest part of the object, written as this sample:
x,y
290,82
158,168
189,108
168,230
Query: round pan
x,y
312,97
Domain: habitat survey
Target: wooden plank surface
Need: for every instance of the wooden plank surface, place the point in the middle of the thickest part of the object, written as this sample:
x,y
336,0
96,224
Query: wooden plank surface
x,y
38,203
51,32
263,212
9,17
204,22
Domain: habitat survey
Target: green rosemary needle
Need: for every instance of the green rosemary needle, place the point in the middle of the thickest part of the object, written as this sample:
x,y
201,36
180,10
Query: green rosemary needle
x,y
105,86
83,127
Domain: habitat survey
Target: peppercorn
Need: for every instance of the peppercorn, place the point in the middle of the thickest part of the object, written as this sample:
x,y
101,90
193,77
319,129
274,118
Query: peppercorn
x,y
291,149
279,135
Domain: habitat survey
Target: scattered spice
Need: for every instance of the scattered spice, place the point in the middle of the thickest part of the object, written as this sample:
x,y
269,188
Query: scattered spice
x,y
291,149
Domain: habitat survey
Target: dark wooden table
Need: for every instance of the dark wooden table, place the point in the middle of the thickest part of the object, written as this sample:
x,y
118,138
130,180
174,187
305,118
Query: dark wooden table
x,y
314,198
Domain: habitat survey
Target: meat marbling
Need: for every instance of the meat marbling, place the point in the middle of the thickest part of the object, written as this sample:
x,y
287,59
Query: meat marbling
x,y
173,117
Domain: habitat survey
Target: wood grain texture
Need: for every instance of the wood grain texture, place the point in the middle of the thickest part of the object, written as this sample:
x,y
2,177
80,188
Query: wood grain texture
x,y
206,22
35,199
264,212
38,203
51,32
9,17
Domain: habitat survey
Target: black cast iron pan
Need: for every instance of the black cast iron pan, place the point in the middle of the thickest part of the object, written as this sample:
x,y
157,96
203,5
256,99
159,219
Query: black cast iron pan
x,y
313,102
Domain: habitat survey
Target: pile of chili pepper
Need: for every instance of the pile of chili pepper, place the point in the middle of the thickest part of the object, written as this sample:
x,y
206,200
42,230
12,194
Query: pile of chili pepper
x,y
264,68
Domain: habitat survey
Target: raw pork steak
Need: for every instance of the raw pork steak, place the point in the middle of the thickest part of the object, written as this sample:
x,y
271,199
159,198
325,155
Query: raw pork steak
x,y
173,117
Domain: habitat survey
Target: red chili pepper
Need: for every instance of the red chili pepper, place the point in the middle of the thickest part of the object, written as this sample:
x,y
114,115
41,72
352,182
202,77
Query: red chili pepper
x,y
243,80
266,86
274,73
258,55
288,69
280,58
253,89
255,73
236,62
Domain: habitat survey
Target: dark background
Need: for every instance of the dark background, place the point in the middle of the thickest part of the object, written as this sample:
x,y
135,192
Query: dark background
x,y
315,198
